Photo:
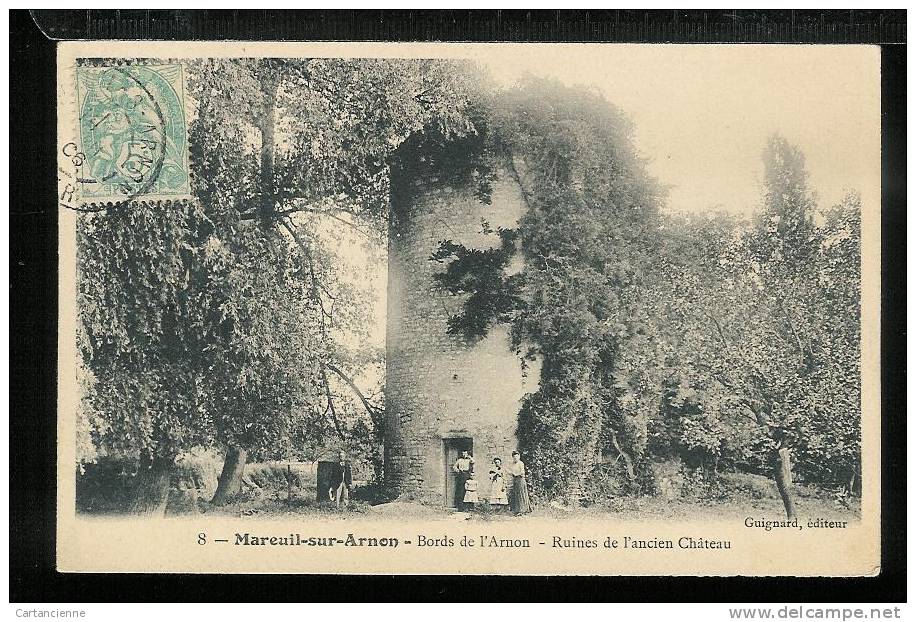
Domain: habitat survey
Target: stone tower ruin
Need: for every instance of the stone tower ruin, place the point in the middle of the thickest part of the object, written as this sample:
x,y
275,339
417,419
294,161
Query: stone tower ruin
x,y
443,395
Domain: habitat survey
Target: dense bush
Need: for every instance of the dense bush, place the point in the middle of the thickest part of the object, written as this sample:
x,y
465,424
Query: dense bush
x,y
107,485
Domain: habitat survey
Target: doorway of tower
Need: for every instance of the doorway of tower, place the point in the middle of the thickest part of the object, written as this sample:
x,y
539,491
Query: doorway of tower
x,y
452,448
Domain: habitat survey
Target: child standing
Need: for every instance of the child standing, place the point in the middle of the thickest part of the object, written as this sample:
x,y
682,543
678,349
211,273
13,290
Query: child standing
x,y
470,492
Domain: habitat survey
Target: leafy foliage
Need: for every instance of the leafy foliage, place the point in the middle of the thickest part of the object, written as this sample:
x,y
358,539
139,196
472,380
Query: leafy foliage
x,y
757,333
228,320
143,333
708,339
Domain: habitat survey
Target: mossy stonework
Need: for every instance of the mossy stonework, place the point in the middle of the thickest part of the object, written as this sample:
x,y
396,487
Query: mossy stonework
x,y
444,394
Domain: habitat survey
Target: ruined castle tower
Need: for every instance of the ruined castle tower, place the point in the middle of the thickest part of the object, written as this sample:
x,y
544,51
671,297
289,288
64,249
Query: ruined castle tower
x,y
443,395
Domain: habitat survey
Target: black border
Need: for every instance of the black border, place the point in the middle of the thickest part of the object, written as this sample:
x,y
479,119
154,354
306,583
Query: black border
x,y
618,25
33,301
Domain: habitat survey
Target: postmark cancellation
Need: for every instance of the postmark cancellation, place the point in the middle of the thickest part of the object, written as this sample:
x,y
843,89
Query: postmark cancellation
x,y
130,141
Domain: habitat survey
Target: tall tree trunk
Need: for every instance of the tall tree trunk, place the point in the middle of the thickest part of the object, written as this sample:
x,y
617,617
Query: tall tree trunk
x,y
269,81
230,480
151,495
783,475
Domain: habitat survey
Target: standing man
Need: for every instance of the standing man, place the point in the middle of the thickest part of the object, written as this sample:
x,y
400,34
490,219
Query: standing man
x,y
341,479
462,468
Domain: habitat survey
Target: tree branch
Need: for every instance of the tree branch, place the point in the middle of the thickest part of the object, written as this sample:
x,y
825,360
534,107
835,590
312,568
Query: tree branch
x,y
269,85
315,285
741,395
719,330
372,410
518,180
330,408
281,214
798,341
628,462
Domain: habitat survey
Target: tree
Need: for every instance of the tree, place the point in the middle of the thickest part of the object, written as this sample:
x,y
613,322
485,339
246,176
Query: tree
x,y
830,451
776,365
143,336
690,281
327,128
765,329
226,329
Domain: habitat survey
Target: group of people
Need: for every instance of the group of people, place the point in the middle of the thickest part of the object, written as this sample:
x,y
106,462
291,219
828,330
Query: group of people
x,y
507,487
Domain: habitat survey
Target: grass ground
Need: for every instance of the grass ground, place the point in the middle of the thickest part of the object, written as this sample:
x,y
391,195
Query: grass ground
x,y
810,502
730,496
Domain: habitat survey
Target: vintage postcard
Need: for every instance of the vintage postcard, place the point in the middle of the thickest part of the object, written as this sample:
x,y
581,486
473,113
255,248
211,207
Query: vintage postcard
x,y
508,309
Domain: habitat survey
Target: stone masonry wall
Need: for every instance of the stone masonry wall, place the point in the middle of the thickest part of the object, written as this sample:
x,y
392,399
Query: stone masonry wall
x,y
437,387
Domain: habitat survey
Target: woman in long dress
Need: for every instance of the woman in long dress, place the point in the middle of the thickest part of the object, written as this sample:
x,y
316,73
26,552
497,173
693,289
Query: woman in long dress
x,y
519,502
498,485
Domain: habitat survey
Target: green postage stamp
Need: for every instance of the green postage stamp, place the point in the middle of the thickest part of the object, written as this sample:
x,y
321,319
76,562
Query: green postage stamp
x,y
133,133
